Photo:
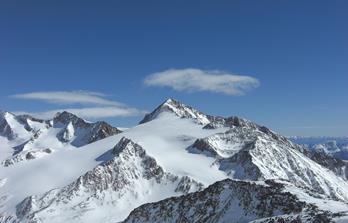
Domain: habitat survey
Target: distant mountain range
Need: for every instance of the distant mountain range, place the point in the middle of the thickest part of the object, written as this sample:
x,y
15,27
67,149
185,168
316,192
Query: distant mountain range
x,y
177,165
333,146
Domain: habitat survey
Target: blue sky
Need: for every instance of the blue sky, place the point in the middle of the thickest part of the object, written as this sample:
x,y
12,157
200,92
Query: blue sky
x,y
293,52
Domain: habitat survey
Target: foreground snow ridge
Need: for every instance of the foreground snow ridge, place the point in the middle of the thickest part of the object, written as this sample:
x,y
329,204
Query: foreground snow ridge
x,y
231,201
177,165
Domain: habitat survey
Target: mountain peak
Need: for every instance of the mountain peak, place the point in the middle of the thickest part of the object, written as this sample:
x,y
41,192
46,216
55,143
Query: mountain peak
x,y
66,117
169,100
172,102
125,144
5,128
4,114
208,121
12,127
179,109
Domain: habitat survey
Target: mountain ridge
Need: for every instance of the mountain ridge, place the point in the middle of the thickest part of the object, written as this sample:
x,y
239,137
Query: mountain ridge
x,y
26,132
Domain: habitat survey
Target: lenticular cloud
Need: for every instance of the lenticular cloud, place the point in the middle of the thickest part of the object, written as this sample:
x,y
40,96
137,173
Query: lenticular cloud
x,y
195,80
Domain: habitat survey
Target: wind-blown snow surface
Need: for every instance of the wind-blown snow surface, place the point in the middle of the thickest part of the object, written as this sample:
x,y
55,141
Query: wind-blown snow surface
x,y
176,150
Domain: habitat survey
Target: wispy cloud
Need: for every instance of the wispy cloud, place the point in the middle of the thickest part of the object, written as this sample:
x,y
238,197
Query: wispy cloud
x,y
88,113
193,80
69,97
99,105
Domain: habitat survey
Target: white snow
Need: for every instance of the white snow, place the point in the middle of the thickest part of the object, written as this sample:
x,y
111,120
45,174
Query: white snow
x,y
20,132
36,125
323,203
5,148
165,138
69,132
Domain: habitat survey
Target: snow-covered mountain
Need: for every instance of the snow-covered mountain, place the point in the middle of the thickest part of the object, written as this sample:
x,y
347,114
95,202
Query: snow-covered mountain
x,y
334,146
246,153
79,132
26,138
171,158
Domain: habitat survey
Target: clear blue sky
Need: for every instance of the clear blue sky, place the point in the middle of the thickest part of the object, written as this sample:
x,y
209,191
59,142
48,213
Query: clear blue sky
x,y
297,50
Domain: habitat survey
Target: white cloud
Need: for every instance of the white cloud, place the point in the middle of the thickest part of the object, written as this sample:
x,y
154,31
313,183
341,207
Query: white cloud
x,y
99,106
193,80
88,113
69,97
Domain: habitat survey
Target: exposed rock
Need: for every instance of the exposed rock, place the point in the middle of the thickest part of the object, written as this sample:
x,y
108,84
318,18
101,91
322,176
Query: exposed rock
x,y
80,132
230,201
338,166
26,156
